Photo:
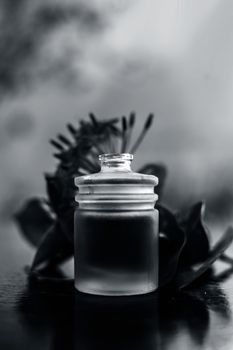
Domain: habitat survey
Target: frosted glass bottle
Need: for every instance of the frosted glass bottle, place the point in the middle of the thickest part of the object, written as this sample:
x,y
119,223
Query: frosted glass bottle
x,y
116,230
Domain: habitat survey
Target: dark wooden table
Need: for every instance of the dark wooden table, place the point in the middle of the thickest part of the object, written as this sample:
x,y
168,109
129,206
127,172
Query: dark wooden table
x,y
54,316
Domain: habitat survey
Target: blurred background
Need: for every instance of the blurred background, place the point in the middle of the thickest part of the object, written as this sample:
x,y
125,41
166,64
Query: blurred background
x,y
59,60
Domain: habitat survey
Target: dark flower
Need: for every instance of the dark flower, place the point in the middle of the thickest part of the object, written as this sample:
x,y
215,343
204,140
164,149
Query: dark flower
x,y
185,251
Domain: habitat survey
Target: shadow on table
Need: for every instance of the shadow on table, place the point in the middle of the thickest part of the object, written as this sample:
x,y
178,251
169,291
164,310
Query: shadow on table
x,y
72,320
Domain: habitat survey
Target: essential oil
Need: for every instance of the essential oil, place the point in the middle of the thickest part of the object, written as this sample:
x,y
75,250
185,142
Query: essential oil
x,y
116,234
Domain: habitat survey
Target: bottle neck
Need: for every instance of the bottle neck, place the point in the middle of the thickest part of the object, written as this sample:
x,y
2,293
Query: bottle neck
x,y
116,162
115,166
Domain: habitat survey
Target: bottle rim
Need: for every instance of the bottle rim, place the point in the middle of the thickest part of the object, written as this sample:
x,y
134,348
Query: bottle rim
x,y
106,157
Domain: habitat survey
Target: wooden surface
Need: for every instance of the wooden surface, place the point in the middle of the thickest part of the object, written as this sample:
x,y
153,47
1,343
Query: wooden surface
x,y
54,316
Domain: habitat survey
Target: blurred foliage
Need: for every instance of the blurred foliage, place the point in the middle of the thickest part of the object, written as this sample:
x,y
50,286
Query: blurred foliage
x,y
25,27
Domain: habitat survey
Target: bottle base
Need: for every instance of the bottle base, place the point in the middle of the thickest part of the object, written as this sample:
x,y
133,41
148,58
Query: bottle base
x,y
105,292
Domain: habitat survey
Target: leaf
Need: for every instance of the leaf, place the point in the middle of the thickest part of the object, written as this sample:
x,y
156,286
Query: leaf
x,y
54,190
208,292
223,275
66,220
158,170
34,219
54,249
187,275
185,311
50,275
171,242
197,244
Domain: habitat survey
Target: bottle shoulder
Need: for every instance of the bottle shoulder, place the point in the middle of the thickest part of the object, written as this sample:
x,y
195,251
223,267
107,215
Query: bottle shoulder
x,y
116,177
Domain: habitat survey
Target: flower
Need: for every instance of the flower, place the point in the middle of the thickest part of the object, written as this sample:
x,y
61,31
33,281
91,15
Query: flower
x,y
185,252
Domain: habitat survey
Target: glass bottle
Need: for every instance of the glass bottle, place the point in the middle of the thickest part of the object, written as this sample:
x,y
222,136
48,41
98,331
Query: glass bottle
x,y
116,230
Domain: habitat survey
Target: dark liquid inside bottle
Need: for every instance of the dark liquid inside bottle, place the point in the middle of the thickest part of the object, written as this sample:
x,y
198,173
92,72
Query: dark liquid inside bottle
x,y
116,251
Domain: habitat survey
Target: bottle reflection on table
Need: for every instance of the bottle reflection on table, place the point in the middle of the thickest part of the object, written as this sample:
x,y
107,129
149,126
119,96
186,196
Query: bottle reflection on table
x,y
116,322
